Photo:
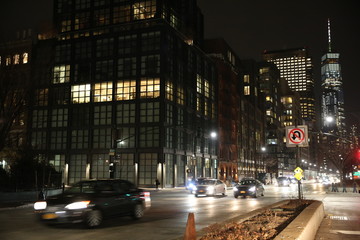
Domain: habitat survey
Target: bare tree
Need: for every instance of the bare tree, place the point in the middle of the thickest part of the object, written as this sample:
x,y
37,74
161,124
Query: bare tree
x,y
339,152
14,90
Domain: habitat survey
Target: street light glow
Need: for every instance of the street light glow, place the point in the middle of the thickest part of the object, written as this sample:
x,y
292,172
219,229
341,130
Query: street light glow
x,y
329,119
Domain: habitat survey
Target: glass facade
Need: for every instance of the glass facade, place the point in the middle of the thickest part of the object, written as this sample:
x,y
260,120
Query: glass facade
x,y
123,81
296,67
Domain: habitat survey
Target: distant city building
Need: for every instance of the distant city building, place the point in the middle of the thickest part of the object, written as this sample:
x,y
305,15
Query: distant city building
x,y
296,67
241,113
332,100
229,107
253,119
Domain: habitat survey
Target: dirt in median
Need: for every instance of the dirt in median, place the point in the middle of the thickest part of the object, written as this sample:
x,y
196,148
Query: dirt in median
x,y
264,226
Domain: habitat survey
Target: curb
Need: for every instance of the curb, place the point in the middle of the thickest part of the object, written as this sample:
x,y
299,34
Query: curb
x,y
304,226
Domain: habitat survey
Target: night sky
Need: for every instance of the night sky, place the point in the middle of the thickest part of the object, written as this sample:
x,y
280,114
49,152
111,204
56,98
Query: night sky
x,y
249,27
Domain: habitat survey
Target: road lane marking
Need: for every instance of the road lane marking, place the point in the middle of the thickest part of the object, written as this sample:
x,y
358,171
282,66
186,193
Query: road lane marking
x,y
346,232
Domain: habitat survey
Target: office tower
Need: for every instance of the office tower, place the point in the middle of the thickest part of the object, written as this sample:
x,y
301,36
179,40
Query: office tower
x,y
332,101
296,67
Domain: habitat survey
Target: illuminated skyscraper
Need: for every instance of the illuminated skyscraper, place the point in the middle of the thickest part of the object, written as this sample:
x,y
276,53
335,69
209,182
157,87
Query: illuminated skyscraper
x,y
332,101
296,67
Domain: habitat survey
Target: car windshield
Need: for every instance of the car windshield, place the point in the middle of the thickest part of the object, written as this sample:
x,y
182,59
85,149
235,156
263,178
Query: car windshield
x,y
205,182
82,187
247,182
282,178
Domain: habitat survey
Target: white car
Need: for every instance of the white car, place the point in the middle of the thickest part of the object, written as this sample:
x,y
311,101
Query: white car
x,y
208,187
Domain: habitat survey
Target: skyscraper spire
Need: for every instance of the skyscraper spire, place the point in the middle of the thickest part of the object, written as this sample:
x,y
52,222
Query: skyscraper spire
x,y
329,35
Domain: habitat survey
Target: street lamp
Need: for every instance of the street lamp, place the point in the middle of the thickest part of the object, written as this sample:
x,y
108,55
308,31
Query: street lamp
x,y
329,119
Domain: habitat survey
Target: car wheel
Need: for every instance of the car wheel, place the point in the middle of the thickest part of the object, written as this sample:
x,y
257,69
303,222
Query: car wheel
x,y
93,218
236,195
138,211
196,195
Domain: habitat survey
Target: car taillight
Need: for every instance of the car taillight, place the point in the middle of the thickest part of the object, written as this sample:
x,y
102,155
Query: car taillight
x,y
145,196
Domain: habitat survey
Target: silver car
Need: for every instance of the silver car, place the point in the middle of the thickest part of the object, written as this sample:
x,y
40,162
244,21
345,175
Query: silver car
x,y
208,187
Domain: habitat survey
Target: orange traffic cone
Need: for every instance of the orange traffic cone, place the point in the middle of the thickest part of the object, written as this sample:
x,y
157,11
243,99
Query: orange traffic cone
x,y
190,233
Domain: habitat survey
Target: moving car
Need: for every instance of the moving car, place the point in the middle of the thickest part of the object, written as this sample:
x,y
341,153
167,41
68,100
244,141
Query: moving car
x,y
283,181
208,187
249,187
91,201
292,180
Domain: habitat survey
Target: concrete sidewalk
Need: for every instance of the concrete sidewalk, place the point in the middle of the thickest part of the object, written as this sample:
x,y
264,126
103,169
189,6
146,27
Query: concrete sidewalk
x,y
342,217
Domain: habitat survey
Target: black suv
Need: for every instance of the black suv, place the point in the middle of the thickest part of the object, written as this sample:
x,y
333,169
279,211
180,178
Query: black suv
x,y
92,200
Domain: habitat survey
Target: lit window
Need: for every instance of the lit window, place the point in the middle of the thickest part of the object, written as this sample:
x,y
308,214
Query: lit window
x,y
8,61
169,91
180,95
65,25
16,59
150,88
80,93
25,58
246,78
246,90
144,9
198,84
103,92
126,90
206,108
198,103
61,74
206,88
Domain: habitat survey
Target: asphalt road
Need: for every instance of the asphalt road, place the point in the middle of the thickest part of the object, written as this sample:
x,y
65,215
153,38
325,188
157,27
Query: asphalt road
x,y
165,219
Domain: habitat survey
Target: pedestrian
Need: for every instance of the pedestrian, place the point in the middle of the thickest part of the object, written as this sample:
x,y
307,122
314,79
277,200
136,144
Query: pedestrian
x,y
344,187
157,183
336,187
354,187
41,195
332,187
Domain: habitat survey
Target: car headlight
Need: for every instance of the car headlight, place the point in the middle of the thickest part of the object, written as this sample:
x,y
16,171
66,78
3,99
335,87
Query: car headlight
x,y
252,189
235,189
40,205
194,188
77,205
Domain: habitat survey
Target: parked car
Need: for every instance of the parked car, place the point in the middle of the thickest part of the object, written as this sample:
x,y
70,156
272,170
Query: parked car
x,y
208,187
91,201
249,187
283,181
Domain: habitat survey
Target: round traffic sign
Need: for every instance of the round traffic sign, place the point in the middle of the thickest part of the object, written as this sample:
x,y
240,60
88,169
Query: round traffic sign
x,y
296,136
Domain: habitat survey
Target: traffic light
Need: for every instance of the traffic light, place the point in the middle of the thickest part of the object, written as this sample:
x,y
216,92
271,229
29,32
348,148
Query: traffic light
x,y
357,155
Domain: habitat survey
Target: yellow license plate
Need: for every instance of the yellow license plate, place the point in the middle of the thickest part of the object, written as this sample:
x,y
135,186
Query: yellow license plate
x,y
201,190
242,192
49,216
